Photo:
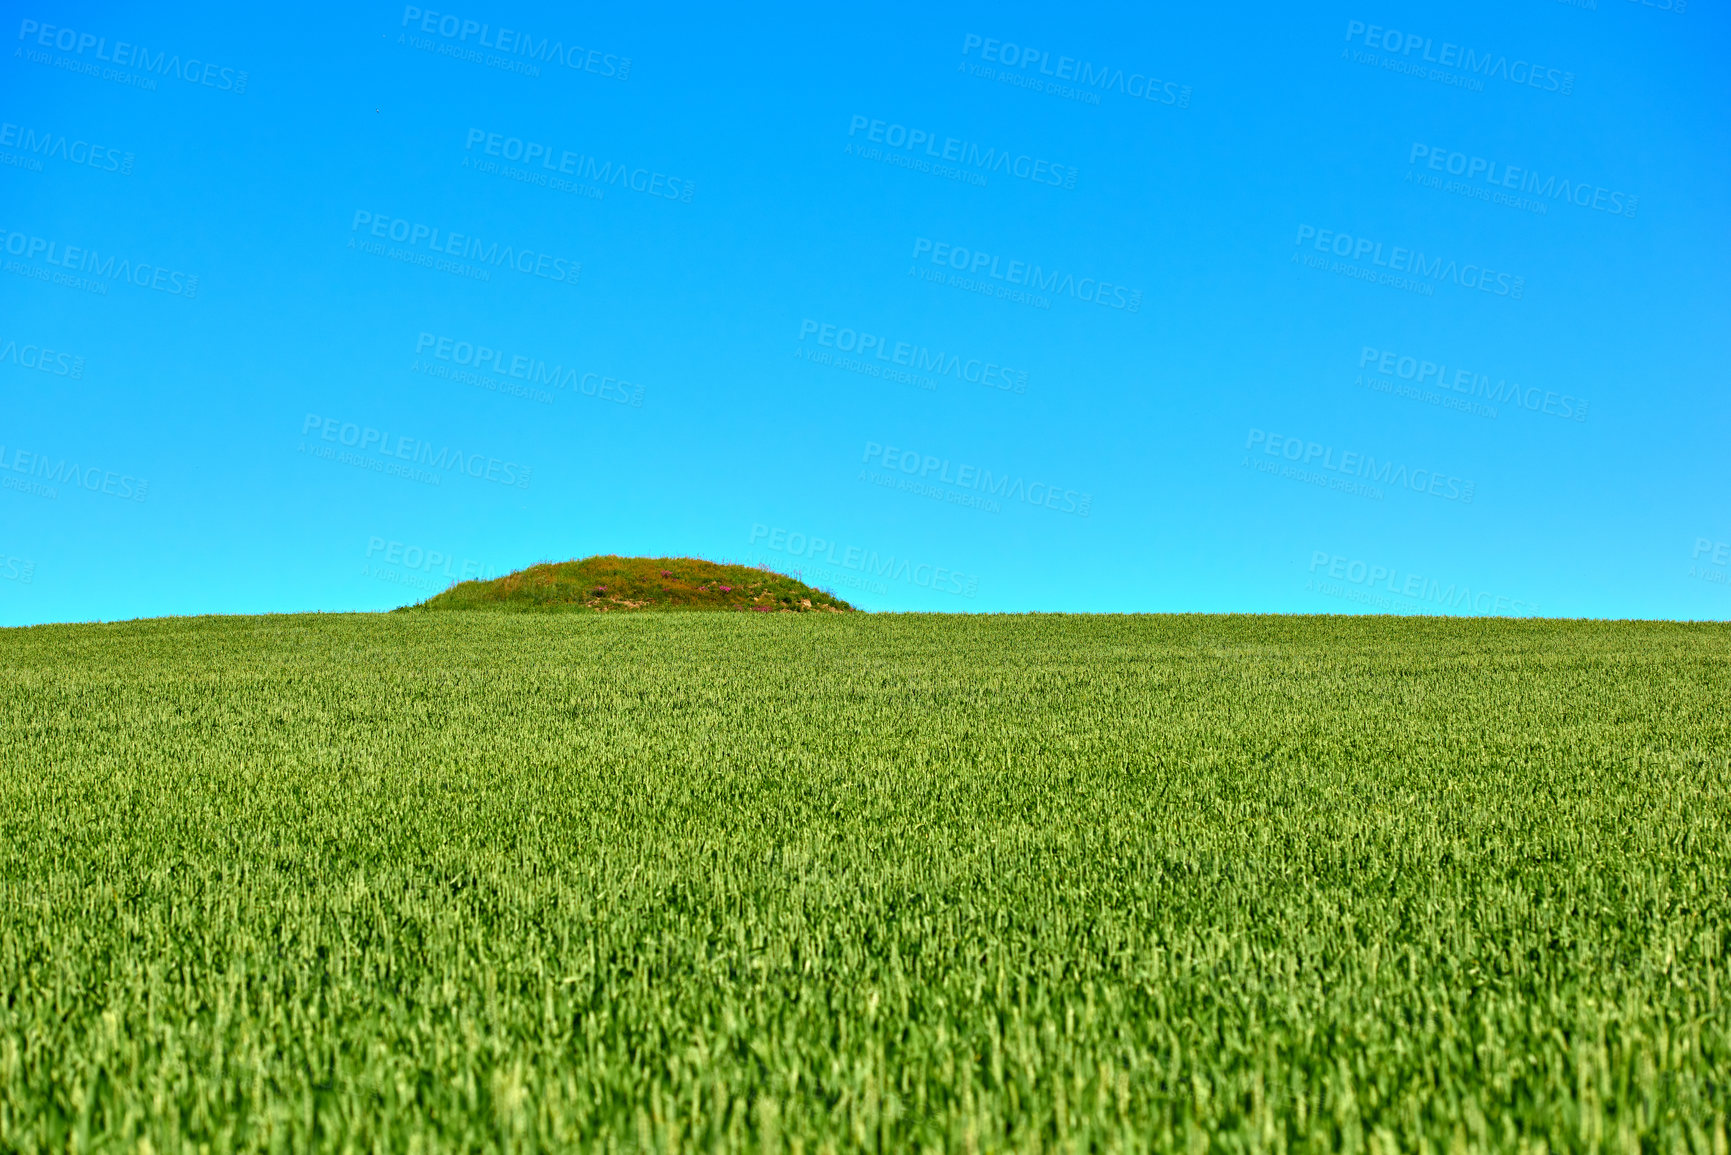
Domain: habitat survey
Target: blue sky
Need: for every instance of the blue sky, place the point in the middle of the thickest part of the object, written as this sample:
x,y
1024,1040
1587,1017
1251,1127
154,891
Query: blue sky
x,y
1359,307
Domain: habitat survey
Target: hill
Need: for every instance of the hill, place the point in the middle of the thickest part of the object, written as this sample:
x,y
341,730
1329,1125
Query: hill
x,y
609,583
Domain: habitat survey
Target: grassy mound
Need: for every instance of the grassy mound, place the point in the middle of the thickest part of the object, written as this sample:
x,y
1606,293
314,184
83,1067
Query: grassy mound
x,y
607,583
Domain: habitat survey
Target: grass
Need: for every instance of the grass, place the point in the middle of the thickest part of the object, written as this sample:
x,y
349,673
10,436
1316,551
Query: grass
x,y
482,881
614,584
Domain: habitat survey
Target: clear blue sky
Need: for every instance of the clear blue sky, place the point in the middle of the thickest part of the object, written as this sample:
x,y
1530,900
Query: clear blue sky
x,y
1314,308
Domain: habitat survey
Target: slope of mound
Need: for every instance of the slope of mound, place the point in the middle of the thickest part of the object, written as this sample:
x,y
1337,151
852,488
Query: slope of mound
x,y
608,583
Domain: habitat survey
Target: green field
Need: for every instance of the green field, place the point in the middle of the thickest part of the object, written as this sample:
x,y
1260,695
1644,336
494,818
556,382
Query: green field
x,y
803,882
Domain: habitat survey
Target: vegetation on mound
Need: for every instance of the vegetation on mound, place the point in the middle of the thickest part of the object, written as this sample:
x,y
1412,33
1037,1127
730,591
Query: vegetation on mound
x,y
606,583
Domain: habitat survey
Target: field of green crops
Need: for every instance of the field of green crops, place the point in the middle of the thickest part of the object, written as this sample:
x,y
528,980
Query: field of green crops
x,y
464,881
